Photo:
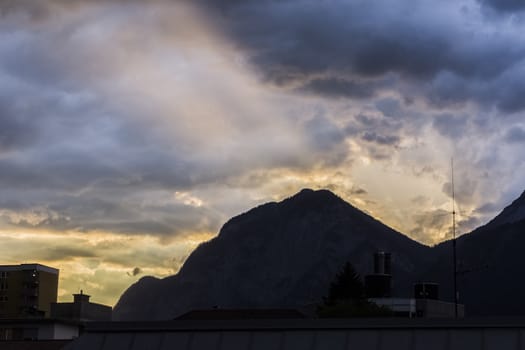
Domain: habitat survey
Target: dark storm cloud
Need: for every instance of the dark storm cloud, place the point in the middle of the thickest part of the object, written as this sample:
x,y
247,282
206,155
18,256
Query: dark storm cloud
x,y
503,92
313,37
73,170
334,48
380,139
110,211
84,154
64,253
92,136
504,5
85,195
338,87
379,134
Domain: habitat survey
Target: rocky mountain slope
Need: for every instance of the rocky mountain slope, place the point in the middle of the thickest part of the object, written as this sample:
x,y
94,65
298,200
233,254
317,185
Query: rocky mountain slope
x,y
276,255
490,264
285,255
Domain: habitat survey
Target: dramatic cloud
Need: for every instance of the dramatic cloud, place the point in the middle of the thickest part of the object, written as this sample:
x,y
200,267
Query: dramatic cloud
x,y
356,49
130,130
504,5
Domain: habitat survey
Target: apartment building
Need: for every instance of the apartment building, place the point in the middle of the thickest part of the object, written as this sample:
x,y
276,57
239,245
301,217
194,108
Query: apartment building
x,y
27,290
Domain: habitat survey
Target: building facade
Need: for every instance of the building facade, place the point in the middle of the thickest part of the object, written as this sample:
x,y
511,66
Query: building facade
x,y
27,290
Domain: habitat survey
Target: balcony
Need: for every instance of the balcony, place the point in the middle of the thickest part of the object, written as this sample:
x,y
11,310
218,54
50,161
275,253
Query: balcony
x,y
29,292
31,283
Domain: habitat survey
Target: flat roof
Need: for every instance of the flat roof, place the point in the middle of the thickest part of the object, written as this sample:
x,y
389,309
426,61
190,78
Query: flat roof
x,y
34,266
304,324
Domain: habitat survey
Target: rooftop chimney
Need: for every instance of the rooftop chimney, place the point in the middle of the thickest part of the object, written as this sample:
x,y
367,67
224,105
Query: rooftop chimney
x,y
81,298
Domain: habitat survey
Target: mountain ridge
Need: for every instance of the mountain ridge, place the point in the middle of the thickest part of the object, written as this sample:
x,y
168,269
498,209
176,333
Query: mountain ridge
x,y
285,254
276,254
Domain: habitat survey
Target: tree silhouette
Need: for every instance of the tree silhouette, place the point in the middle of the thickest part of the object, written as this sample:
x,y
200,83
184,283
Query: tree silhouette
x,y
346,298
347,286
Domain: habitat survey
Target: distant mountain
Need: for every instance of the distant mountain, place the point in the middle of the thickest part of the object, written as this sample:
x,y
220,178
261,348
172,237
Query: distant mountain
x,y
277,255
491,263
285,255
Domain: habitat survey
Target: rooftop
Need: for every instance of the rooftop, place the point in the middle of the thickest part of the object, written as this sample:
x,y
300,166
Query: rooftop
x,y
32,266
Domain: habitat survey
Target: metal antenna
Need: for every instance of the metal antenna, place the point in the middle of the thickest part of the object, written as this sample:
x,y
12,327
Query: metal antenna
x,y
454,240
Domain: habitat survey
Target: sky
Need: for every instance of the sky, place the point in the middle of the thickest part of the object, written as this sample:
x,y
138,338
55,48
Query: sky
x,y
130,131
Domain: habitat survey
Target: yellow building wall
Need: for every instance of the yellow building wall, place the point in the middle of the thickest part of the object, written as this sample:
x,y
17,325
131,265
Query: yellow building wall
x,y
25,289
48,291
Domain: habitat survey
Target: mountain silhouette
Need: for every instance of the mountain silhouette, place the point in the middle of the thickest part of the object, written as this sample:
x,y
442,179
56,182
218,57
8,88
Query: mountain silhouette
x,y
490,265
286,254
276,255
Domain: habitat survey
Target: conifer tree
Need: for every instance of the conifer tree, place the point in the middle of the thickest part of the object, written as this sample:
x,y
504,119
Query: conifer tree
x,y
346,286
346,298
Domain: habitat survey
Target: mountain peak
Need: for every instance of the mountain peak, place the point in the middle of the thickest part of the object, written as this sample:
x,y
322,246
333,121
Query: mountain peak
x,y
275,255
309,201
320,195
286,254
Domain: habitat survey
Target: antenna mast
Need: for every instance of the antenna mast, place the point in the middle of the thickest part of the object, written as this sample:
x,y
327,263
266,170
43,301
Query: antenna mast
x,y
454,240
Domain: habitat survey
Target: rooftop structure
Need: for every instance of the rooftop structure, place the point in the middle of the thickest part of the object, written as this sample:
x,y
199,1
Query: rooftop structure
x,y
425,302
81,309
